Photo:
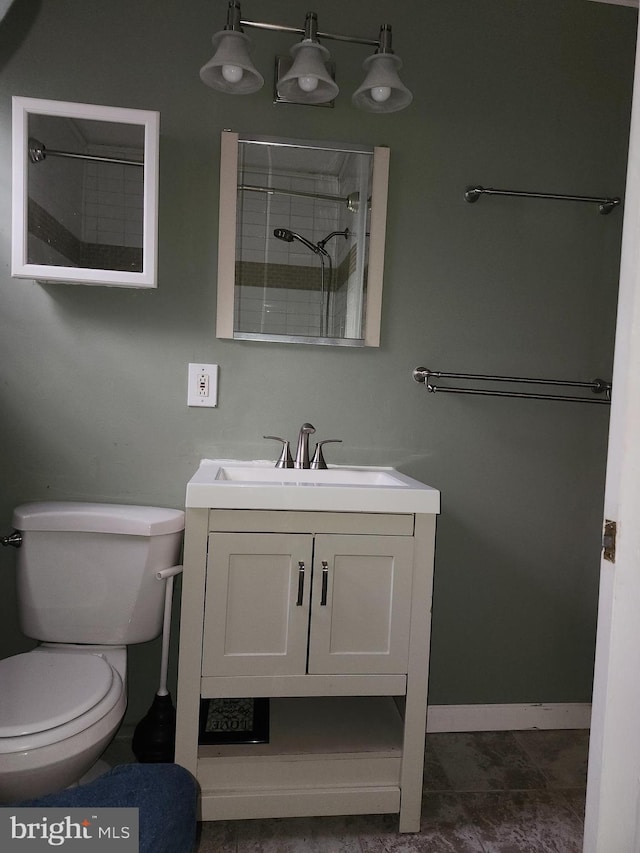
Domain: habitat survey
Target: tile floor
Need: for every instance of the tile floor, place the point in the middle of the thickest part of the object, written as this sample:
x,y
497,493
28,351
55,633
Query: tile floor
x,y
484,792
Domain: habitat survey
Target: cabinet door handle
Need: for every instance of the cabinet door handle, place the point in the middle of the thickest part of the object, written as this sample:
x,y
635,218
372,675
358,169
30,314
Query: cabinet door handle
x,y
300,583
325,583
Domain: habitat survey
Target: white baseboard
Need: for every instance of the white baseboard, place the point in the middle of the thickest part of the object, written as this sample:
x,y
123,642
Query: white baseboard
x,y
493,718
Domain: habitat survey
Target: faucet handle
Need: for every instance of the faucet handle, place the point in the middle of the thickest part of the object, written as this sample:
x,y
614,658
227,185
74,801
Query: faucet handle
x,y
318,462
285,460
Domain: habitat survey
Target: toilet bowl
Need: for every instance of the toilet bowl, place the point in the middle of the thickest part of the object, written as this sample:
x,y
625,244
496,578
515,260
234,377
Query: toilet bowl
x,y
90,581
59,709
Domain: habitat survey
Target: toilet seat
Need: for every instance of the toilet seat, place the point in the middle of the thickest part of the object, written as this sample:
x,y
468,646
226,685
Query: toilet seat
x,y
40,691
48,696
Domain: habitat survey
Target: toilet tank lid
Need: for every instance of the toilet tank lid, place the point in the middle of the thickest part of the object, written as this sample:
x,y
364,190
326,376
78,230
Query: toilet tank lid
x,y
97,518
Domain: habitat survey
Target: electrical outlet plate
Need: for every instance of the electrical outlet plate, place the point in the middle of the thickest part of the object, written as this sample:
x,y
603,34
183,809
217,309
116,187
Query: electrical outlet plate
x,y
202,386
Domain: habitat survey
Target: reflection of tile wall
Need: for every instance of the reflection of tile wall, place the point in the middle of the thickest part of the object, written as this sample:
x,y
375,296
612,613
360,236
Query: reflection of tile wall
x,y
277,299
250,274
56,245
86,213
52,234
113,204
282,312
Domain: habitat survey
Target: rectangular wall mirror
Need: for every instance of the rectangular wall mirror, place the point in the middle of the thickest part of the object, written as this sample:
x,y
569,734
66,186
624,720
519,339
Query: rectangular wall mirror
x,y
85,193
301,240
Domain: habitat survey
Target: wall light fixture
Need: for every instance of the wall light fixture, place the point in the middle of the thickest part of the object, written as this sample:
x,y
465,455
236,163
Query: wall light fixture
x,y
308,77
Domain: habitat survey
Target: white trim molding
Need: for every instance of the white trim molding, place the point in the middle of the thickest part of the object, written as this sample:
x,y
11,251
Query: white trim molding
x,y
493,718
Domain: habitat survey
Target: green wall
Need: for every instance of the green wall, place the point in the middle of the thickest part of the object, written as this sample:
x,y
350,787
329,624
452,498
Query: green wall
x,y
523,94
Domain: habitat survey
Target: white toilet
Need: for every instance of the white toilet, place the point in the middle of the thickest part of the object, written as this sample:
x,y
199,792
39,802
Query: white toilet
x,y
87,588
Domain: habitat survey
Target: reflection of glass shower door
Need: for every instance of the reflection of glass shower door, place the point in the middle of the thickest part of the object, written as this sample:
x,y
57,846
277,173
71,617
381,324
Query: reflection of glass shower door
x,y
354,319
294,203
325,290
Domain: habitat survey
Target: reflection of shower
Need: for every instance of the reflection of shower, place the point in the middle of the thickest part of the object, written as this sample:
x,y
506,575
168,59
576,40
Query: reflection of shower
x,y
318,249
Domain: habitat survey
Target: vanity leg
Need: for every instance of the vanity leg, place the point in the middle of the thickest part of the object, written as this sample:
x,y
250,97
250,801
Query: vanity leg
x,y
190,655
411,775
415,713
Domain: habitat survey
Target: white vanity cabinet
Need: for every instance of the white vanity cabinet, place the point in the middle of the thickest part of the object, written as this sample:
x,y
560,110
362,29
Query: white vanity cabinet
x,y
292,603
328,614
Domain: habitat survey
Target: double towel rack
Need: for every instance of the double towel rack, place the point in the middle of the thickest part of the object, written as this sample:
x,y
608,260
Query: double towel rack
x,y
599,388
605,205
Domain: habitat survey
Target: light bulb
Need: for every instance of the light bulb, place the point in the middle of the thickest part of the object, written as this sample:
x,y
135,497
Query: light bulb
x,y
380,94
232,73
308,83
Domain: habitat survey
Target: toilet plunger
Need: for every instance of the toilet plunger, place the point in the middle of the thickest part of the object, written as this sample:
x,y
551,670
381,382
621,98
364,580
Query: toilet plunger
x,y
155,734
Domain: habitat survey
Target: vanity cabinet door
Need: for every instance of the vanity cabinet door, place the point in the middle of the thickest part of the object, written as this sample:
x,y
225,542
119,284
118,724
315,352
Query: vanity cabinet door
x,y
360,604
257,604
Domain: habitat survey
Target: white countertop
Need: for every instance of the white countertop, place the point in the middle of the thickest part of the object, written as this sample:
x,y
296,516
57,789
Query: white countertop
x,y
237,484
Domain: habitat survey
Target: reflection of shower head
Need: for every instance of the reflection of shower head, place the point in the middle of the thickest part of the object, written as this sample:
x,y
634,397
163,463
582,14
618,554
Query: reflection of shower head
x,y
346,234
290,236
283,234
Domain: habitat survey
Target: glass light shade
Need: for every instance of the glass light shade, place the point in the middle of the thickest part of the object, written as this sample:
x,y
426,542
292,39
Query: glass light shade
x,y
381,75
230,58
309,58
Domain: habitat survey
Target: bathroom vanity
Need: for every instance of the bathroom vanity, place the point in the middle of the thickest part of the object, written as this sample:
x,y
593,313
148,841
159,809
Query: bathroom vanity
x,y
311,588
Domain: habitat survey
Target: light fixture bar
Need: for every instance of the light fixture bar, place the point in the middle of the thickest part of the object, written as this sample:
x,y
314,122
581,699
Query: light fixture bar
x,y
309,76
281,28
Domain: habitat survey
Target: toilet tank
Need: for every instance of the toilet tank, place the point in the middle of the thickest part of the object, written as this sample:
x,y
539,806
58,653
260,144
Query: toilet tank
x,y
86,571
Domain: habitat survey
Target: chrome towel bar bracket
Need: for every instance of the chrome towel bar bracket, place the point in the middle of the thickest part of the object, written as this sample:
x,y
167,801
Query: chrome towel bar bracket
x,y
605,205
600,389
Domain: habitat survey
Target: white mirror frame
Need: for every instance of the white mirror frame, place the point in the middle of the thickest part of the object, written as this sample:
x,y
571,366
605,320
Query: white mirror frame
x,y
227,248
22,108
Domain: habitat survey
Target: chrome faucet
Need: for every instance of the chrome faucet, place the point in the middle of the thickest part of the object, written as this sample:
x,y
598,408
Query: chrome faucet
x,y
302,451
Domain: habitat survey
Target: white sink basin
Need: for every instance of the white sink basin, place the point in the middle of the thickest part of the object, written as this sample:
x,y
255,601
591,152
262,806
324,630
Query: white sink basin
x,y
306,477
229,484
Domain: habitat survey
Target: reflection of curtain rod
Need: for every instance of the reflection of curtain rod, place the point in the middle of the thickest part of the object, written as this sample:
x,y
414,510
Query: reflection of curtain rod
x,y
351,200
273,191
38,152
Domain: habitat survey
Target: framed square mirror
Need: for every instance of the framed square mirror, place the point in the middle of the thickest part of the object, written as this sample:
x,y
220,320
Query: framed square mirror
x,y
85,193
301,240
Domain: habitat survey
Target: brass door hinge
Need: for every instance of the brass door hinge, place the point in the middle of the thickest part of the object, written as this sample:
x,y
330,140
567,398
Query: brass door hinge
x,y
609,540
